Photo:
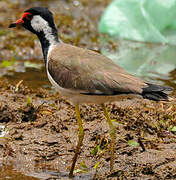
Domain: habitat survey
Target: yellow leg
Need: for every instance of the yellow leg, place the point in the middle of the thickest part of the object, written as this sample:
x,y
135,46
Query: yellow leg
x,y
112,133
80,140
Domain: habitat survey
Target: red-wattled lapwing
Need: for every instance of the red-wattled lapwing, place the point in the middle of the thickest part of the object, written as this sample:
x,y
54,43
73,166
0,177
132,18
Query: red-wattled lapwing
x,y
84,76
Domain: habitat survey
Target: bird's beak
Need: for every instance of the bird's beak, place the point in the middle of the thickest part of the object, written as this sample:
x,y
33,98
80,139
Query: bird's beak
x,y
19,21
12,25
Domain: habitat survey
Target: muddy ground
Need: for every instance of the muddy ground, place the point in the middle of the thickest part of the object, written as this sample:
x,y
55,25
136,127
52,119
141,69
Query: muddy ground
x,y
41,135
38,129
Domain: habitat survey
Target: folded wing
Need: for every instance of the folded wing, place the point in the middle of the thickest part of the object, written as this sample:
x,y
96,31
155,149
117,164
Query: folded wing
x,y
88,72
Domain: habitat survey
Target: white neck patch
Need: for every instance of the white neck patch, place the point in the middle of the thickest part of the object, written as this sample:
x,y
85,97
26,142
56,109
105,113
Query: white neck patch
x,y
39,24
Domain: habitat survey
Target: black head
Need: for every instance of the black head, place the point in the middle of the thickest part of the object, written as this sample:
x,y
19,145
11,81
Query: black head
x,y
35,19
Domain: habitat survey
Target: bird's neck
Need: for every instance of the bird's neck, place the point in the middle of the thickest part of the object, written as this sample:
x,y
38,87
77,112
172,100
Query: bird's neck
x,y
48,37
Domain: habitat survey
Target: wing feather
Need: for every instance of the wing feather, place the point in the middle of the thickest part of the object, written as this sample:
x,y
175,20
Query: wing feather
x,y
88,72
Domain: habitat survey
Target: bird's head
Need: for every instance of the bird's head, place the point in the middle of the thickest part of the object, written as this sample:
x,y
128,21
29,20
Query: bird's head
x,y
35,19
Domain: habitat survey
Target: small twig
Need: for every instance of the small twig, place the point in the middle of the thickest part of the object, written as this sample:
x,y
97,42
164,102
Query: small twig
x,y
17,85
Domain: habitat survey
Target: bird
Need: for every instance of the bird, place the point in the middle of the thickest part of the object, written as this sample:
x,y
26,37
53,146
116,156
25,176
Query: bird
x,y
84,76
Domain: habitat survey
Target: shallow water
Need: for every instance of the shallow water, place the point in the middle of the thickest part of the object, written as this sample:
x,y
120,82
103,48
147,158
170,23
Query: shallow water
x,y
9,172
33,77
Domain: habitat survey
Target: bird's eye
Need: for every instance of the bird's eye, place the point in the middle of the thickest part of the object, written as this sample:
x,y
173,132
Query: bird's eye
x,y
29,16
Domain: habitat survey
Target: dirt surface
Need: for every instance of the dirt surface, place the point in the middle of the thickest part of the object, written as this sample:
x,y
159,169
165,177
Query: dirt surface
x,y
41,135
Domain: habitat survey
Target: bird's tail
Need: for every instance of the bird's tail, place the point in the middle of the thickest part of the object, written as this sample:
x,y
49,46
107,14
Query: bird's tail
x,y
156,92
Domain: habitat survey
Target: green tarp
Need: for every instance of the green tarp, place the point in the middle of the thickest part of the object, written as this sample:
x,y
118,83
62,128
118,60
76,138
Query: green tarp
x,y
141,20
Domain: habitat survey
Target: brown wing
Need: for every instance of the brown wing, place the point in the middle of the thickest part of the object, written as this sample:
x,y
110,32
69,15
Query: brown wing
x,y
89,72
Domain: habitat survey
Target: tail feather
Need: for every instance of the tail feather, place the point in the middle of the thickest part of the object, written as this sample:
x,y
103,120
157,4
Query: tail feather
x,y
156,92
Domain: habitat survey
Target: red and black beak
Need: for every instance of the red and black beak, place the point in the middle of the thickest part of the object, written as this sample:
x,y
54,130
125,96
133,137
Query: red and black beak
x,y
19,21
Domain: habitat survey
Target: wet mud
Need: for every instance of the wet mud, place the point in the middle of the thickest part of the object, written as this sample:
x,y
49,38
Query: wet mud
x,y
41,134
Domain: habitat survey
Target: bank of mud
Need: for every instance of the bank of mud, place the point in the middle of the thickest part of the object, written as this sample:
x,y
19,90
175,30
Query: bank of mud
x,y
41,135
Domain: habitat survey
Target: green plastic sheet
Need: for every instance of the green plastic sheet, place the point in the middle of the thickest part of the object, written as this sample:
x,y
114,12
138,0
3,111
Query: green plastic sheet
x,y
141,20
151,61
